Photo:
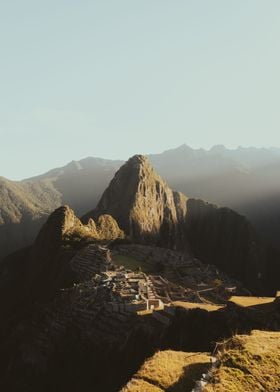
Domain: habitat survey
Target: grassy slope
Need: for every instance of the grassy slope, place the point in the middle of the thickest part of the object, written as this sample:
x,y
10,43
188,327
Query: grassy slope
x,y
191,305
249,363
169,371
132,263
19,199
251,301
24,207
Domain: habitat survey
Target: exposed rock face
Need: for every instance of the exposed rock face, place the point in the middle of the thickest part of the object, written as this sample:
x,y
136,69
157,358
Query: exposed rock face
x,y
63,224
142,203
108,229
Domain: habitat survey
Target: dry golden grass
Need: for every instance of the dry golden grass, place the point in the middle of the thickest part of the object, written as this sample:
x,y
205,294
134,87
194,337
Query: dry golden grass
x,y
251,301
174,371
249,363
145,312
192,305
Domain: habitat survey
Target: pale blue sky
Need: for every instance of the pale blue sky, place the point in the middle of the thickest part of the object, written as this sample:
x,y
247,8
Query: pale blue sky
x,y
115,78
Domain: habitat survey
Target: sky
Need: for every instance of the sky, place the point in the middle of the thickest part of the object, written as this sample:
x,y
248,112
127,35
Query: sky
x,y
111,78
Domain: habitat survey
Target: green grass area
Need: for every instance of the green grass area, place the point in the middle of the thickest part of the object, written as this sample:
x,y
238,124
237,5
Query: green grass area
x,y
132,263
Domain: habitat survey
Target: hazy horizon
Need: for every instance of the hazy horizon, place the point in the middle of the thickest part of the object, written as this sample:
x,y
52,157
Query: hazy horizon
x,y
51,167
111,79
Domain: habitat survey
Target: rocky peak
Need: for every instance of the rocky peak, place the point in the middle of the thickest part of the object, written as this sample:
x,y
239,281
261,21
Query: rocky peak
x,y
142,203
108,229
63,224
138,162
60,222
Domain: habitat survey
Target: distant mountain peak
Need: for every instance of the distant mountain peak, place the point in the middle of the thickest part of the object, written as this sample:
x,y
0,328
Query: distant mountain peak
x,y
218,148
182,149
139,158
184,146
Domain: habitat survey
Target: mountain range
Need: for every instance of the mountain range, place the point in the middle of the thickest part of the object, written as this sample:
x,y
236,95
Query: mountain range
x,y
245,179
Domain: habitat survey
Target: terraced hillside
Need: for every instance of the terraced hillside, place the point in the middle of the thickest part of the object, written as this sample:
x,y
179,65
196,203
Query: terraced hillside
x,y
83,324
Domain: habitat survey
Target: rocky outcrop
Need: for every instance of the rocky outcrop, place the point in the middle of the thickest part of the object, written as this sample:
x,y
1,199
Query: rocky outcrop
x,y
142,204
108,229
63,225
61,222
